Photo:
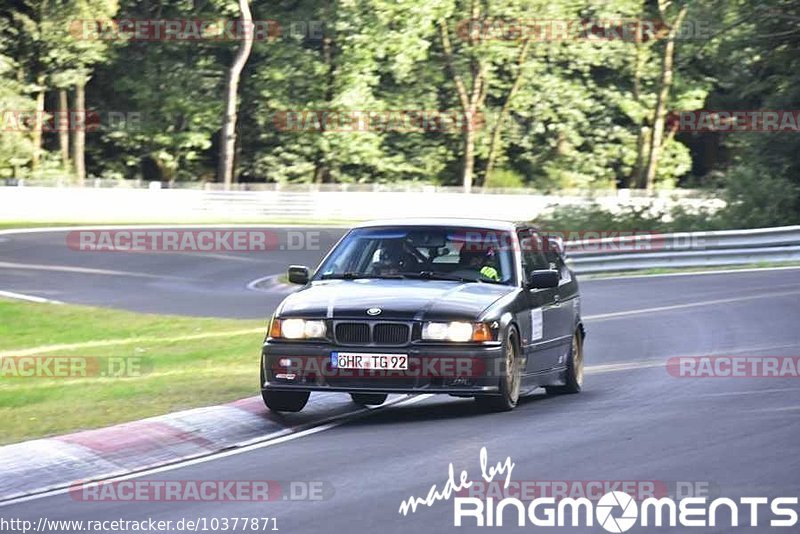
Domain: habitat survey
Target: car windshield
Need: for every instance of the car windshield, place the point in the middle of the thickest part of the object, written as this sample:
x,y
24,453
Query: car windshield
x,y
435,253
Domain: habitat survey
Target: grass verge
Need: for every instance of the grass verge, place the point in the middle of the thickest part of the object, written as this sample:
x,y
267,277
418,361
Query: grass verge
x,y
172,363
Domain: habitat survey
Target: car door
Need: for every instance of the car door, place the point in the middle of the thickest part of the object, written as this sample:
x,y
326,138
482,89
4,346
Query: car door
x,y
567,299
544,318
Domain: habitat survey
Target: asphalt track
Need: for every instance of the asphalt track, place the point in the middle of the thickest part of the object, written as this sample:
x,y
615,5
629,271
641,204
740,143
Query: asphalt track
x,y
633,422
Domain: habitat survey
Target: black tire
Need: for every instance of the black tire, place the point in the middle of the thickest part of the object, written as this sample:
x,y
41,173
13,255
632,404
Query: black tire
x,y
510,382
369,399
573,376
284,401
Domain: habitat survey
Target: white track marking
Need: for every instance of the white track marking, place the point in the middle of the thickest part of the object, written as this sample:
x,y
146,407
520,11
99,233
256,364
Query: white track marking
x,y
748,392
253,285
614,315
662,362
603,278
82,270
777,409
624,366
29,298
125,341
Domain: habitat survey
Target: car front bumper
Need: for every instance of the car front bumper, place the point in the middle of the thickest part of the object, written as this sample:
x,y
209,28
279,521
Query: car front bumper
x,y
459,370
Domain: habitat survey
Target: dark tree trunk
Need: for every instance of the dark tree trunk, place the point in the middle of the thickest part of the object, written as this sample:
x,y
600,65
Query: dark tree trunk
x,y
228,134
79,134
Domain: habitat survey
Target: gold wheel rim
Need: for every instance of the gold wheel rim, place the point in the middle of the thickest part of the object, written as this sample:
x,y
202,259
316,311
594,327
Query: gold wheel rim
x,y
577,359
512,378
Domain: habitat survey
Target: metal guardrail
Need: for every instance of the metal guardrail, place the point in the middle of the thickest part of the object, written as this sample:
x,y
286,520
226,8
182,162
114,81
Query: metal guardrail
x,y
686,249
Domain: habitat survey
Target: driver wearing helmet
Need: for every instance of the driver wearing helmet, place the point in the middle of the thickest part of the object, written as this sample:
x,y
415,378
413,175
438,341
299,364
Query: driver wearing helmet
x,y
394,258
482,260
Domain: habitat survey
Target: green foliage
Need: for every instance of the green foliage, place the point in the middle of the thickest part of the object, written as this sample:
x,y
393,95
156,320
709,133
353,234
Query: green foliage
x,y
580,111
757,199
505,178
16,148
753,200
595,217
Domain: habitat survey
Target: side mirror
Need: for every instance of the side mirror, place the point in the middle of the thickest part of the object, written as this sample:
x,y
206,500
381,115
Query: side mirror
x,y
543,279
298,274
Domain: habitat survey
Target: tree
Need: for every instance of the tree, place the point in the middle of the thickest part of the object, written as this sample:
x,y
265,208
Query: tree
x,y
172,89
228,136
497,129
51,56
29,31
81,55
471,99
664,87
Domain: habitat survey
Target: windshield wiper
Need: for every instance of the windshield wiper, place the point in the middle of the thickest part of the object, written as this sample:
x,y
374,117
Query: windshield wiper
x,y
349,275
433,275
423,275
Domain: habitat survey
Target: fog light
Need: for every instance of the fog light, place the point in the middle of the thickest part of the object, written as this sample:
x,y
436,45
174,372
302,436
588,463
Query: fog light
x,y
286,376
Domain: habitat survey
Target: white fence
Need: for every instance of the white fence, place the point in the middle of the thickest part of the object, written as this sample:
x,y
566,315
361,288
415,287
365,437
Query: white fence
x,y
103,204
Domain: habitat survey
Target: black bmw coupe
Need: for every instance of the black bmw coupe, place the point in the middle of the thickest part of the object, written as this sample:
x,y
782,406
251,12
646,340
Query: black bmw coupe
x,y
473,308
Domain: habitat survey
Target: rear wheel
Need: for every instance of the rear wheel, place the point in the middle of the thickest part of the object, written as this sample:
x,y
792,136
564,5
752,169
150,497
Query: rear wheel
x,y
285,401
510,383
573,376
369,399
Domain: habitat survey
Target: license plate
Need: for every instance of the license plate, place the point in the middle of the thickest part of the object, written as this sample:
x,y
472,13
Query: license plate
x,y
362,360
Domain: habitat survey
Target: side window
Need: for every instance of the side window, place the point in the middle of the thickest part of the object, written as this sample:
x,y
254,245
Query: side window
x,y
532,247
553,253
555,258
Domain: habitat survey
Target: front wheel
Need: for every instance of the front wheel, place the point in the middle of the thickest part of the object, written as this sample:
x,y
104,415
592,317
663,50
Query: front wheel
x,y
573,376
510,383
285,401
369,399
281,401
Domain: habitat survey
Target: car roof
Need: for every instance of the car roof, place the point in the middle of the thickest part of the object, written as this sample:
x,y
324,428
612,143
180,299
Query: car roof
x,y
487,224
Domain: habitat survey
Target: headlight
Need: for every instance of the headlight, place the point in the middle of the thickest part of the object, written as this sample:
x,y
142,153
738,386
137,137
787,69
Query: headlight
x,y
297,329
456,331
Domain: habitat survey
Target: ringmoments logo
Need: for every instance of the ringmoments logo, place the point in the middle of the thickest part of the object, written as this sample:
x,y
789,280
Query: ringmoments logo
x,y
615,511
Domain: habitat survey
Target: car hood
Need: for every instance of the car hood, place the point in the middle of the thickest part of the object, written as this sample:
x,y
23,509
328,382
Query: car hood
x,y
398,299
